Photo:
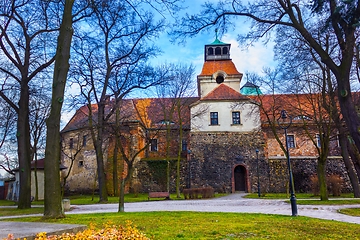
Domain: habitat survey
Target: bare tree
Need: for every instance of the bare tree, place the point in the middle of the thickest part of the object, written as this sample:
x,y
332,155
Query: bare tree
x,y
39,111
305,70
176,93
112,63
7,130
72,156
26,44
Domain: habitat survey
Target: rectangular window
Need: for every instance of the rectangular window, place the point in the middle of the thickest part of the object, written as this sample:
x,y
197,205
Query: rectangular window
x,y
214,120
153,145
184,145
291,141
84,140
81,163
236,118
318,140
71,143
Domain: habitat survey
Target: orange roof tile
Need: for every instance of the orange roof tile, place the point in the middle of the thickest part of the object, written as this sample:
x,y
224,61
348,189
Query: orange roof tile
x,y
224,92
296,105
210,67
149,111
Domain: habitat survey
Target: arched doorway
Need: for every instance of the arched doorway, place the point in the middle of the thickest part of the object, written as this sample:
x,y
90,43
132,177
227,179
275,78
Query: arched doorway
x,y
240,178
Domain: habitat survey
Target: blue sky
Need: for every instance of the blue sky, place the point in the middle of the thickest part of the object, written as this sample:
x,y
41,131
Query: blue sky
x,y
252,59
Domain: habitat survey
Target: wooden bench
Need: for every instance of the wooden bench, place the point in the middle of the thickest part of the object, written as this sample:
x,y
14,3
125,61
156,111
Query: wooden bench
x,y
165,195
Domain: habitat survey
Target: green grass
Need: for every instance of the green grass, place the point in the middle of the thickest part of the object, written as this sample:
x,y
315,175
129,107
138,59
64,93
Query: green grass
x,y
310,199
141,197
298,196
7,203
88,199
195,225
329,202
351,211
16,212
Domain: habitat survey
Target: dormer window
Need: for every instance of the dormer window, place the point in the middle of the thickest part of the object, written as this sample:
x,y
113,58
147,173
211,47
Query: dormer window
x,y
166,122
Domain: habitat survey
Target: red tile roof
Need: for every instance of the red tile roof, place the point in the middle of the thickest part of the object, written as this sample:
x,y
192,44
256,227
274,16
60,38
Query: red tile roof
x,y
210,67
148,111
224,92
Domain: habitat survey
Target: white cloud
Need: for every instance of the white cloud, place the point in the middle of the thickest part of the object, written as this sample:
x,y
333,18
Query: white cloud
x,y
252,59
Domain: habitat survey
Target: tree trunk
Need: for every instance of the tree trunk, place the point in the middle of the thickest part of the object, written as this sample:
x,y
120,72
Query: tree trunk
x,y
115,169
53,207
122,184
346,152
122,196
100,155
180,149
348,109
24,146
321,172
36,179
355,156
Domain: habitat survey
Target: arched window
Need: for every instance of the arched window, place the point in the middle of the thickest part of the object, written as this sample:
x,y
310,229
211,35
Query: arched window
x,y
225,50
218,51
210,51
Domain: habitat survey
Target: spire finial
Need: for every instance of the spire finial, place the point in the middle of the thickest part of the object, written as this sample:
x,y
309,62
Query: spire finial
x,y
216,33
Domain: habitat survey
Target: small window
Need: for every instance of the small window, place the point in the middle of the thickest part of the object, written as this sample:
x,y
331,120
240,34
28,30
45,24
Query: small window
x,y
210,51
166,122
184,145
318,140
291,141
214,120
81,163
218,51
71,143
153,145
236,118
220,79
225,50
84,140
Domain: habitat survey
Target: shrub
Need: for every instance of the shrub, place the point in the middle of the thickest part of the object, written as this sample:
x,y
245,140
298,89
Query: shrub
x,y
315,188
136,186
186,193
334,184
107,232
194,193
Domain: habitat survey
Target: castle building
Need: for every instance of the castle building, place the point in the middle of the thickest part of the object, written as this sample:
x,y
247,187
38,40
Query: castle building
x,y
227,139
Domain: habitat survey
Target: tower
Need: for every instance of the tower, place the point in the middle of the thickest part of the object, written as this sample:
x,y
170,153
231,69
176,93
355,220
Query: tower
x,y
225,126
218,68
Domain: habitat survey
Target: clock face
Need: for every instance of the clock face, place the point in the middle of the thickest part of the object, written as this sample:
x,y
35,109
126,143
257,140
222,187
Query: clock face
x,y
220,79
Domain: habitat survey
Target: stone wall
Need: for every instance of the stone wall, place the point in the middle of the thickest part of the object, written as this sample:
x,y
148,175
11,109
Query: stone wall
x,y
153,178
215,155
303,170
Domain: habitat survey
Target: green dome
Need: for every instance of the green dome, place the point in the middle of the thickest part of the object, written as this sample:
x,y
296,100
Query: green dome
x,y
250,89
217,42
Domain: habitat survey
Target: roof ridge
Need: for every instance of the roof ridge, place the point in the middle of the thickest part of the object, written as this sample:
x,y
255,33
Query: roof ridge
x,y
224,92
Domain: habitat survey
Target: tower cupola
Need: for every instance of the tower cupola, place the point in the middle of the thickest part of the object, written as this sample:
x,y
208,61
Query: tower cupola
x,y
217,50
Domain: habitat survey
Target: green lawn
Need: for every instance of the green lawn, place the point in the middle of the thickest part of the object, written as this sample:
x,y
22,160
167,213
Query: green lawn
x,y
351,211
16,212
310,199
298,196
194,225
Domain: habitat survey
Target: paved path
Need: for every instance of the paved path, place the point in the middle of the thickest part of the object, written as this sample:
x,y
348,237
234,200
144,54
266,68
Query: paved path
x,y
230,203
